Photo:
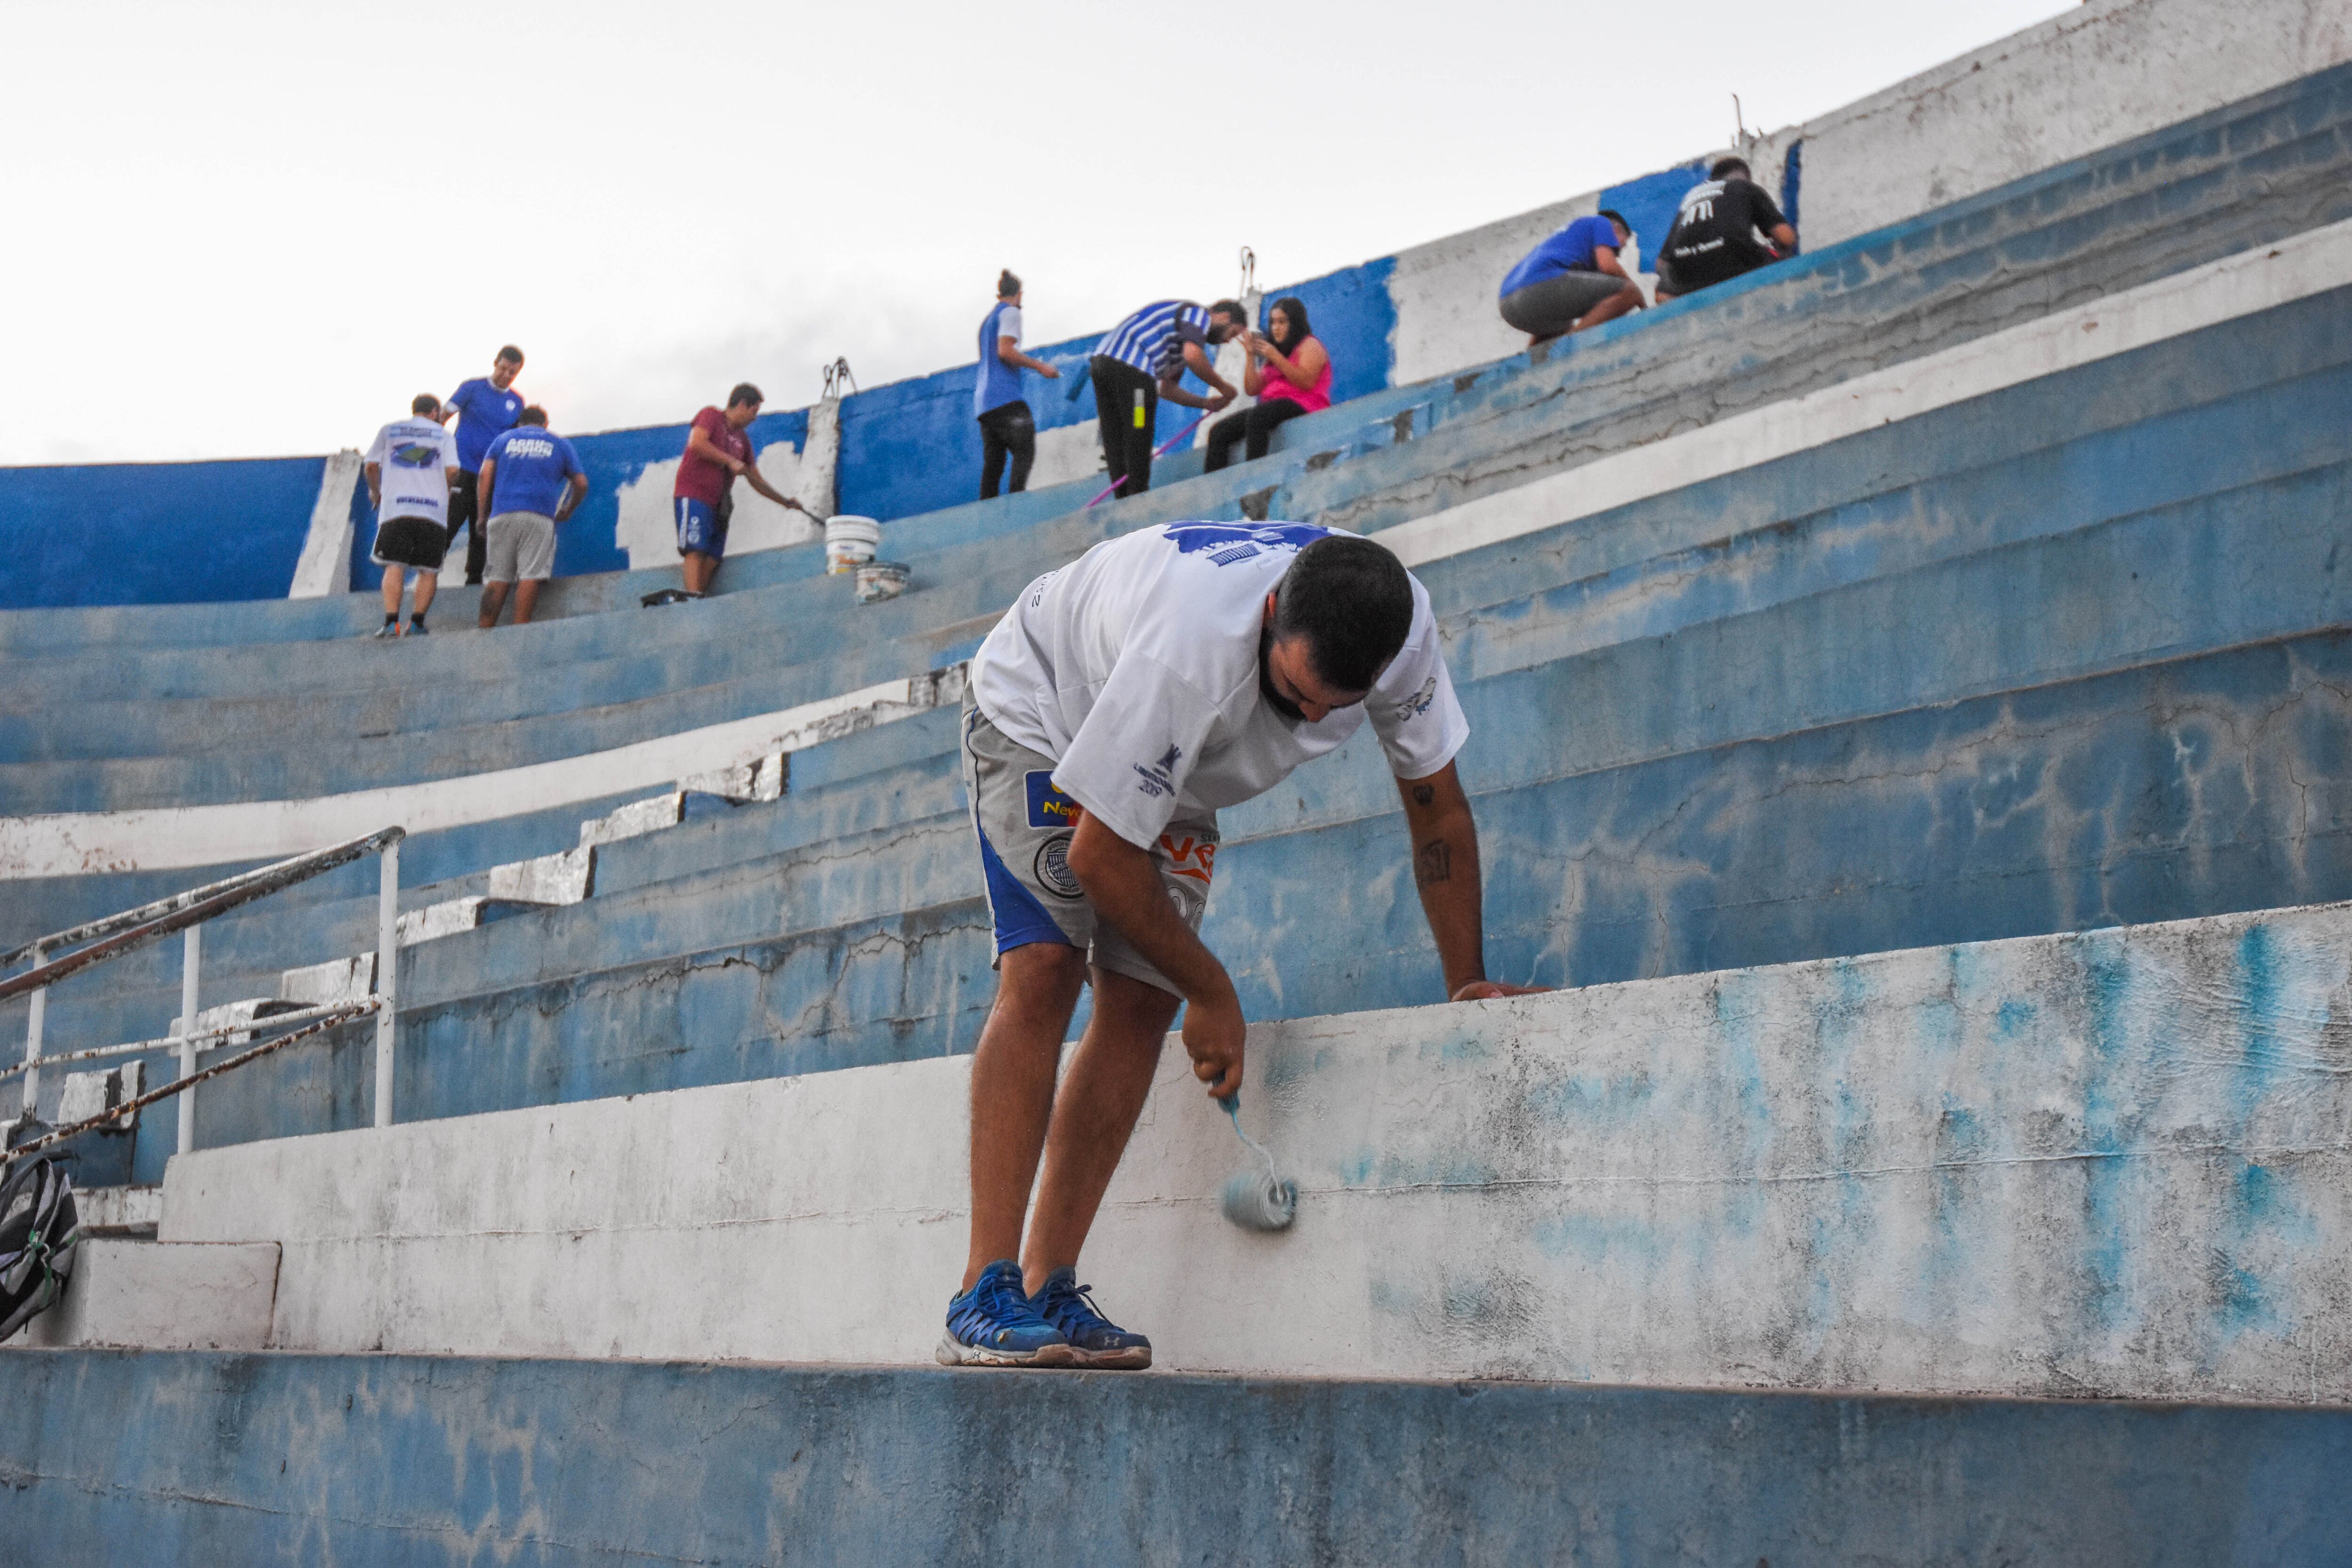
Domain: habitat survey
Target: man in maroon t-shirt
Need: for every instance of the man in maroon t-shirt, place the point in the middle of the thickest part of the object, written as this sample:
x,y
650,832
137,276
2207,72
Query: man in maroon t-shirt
x,y
717,449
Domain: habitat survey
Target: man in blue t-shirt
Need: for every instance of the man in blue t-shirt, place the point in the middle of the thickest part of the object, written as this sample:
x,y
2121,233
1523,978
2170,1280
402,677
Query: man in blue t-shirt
x,y
530,480
1573,280
485,407
1007,427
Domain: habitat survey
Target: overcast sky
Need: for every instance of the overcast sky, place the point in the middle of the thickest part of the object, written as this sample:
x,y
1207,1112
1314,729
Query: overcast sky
x,y
255,229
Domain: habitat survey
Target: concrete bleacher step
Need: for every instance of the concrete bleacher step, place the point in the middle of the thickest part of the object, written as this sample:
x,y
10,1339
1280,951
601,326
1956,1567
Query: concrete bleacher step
x,y
164,1296
2104,1164
392,1461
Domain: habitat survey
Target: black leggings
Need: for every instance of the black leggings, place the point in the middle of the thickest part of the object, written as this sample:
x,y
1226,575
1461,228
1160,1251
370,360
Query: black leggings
x,y
465,512
1253,425
1127,448
1007,428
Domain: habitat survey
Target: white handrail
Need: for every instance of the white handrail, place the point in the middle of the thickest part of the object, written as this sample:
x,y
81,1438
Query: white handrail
x,y
114,935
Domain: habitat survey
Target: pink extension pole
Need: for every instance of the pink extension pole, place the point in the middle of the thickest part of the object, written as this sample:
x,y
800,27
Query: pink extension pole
x,y
1159,451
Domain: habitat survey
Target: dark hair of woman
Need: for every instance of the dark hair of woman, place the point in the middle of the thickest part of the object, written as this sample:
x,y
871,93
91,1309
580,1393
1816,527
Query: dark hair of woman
x,y
1293,309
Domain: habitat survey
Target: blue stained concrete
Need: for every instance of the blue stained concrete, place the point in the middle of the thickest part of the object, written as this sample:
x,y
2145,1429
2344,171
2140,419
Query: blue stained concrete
x,y
131,1459
1354,314
131,533
1648,205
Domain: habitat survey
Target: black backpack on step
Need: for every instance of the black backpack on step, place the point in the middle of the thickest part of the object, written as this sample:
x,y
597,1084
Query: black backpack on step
x,y
38,1231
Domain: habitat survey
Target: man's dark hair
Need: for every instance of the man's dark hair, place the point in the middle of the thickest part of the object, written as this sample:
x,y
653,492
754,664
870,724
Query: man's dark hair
x,y
424,403
532,415
1007,285
510,353
1230,308
744,393
1613,215
1725,168
1352,602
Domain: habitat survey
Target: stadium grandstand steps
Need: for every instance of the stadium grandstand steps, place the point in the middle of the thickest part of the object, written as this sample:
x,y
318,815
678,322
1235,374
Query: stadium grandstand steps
x,y
1832,760
1784,1226
2212,186
1932,671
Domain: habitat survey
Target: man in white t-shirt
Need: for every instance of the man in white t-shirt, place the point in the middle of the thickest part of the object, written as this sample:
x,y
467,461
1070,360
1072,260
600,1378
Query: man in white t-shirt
x,y
411,466
1115,709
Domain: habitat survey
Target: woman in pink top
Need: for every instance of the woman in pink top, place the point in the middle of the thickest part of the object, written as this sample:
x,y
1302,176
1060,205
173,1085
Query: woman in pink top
x,y
1289,374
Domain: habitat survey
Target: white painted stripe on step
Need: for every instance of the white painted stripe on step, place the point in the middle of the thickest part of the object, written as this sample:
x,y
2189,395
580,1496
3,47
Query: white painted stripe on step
x,y
175,837
2222,290
172,838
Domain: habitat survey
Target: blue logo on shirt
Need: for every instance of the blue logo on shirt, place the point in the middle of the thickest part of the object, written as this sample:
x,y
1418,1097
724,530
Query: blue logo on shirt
x,y
417,457
1230,542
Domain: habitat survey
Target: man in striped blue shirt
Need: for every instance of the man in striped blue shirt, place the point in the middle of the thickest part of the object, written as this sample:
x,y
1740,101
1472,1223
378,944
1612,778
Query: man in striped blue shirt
x,y
1143,360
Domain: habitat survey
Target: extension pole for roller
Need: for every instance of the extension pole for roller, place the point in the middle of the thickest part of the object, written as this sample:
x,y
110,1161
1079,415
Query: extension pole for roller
x,y
192,958
387,975
39,1012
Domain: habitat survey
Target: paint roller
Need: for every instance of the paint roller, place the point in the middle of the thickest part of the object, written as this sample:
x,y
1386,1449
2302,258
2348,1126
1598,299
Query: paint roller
x,y
1160,451
1257,1199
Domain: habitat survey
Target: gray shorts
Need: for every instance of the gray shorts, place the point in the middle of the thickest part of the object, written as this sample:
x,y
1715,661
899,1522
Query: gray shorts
x,y
1551,305
518,547
1024,826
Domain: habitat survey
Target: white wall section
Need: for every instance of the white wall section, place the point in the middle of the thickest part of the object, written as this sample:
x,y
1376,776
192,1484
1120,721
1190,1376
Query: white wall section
x,y
325,565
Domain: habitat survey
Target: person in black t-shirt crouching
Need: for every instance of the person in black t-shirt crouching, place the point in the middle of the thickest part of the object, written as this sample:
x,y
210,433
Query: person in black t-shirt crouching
x,y
1713,238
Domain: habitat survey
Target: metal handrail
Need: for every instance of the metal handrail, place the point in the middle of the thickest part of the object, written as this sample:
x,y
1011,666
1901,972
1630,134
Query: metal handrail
x,y
203,1039
337,1015
148,921
114,935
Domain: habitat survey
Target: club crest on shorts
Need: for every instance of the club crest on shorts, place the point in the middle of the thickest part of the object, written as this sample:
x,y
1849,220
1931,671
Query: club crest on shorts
x,y
1053,868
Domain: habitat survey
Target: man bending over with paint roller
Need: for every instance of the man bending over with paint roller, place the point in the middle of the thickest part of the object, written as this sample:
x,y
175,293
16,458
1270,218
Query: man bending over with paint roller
x,y
1115,709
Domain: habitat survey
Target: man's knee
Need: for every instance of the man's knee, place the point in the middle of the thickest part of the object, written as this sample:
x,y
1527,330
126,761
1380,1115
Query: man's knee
x,y
1041,974
1133,1006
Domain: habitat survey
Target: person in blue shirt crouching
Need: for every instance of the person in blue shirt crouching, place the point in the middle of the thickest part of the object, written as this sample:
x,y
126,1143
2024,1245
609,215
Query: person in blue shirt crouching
x,y
1573,280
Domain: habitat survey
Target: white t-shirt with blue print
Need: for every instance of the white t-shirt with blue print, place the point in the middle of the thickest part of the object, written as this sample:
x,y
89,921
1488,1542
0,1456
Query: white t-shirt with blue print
x,y
414,455
1136,669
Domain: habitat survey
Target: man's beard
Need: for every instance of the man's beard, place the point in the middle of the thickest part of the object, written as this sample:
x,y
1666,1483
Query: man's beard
x,y
1289,713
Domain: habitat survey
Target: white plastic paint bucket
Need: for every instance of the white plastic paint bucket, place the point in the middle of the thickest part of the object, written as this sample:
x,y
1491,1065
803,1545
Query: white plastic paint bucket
x,y
879,580
850,541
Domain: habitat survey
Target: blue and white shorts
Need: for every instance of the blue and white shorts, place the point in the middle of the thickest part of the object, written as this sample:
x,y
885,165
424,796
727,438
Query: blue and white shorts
x,y
1024,826
698,528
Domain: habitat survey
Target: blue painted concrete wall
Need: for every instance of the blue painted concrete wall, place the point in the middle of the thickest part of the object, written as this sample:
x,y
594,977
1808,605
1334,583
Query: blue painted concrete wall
x,y
168,1459
144,533
612,458
1648,205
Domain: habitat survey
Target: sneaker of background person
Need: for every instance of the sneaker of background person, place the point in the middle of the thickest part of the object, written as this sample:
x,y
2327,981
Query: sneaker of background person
x,y
1094,1340
992,1325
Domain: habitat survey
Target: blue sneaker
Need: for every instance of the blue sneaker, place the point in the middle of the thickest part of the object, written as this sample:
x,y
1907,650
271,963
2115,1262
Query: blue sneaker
x,y
992,1325
1093,1339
